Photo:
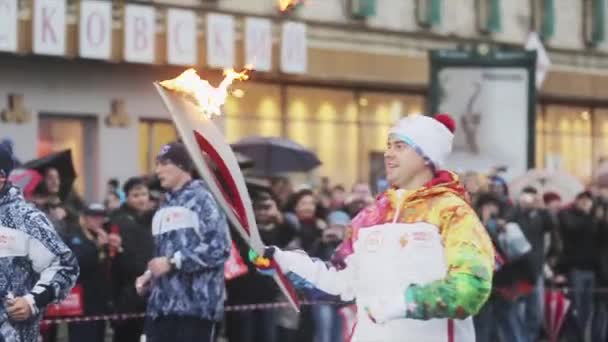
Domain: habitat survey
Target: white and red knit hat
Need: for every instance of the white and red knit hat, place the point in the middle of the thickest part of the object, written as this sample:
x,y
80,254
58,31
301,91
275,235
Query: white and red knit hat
x,y
430,136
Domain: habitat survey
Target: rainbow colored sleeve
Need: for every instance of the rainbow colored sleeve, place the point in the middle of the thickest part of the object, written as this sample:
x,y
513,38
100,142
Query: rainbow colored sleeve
x,y
470,261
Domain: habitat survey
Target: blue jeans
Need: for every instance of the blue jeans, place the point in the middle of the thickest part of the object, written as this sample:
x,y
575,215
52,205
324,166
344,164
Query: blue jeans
x,y
328,327
583,283
252,326
499,318
599,328
532,311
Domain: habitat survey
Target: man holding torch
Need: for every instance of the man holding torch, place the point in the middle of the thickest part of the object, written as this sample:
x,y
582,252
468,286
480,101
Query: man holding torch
x,y
418,262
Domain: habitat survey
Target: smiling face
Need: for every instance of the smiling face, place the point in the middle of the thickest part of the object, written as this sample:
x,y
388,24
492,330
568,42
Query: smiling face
x,y
402,163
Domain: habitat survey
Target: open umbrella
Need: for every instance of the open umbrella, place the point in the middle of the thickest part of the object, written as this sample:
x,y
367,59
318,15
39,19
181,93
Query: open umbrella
x,y
273,155
244,161
62,162
556,308
567,186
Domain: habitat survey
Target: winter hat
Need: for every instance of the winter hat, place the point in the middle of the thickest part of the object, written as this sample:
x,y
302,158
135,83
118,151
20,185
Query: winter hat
x,y
6,162
551,196
94,209
338,218
177,154
430,136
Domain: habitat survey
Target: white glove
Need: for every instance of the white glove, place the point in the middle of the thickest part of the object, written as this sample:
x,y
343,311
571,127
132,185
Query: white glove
x,y
386,308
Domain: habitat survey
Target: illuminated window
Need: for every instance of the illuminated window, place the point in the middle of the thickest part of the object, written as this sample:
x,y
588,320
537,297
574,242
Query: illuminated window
x,y
253,109
79,134
564,139
325,121
153,134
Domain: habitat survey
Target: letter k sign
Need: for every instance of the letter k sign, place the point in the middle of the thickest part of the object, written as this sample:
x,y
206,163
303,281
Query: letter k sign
x,y
49,27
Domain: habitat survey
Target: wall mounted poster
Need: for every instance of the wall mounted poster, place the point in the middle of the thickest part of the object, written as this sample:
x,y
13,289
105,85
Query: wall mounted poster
x,y
492,99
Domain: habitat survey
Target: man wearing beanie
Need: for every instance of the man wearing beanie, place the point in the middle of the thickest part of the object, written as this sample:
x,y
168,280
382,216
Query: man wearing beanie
x,y
185,279
37,268
418,262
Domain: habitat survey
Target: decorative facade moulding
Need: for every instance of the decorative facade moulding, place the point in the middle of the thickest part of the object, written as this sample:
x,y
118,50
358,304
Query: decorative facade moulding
x,y
15,111
147,34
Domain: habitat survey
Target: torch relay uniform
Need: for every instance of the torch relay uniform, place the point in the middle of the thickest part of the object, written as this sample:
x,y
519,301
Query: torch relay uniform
x,y
34,261
418,263
191,230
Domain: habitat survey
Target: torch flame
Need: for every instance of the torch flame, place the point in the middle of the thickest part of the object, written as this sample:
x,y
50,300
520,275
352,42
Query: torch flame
x,y
209,99
286,4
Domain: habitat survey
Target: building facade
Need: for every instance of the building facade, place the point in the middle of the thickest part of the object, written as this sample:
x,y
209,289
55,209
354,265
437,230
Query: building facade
x,y
360,65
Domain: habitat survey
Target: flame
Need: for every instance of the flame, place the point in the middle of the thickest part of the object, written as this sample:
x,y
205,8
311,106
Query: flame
x,y
208,98
286,4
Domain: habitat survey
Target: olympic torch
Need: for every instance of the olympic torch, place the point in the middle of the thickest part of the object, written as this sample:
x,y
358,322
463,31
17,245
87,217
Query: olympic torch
x,y
192,102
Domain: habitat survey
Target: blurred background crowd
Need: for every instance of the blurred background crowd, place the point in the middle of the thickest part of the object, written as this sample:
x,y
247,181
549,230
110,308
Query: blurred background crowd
x,y
550,232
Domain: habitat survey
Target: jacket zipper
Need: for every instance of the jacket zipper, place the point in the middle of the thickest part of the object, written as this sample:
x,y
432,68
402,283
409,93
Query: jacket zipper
x,y
400,197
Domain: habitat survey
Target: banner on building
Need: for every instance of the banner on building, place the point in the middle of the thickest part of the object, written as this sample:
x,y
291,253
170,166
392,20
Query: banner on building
x,y
492,98
8,25
258,43
140,32
49,27
294,48
181,37
220,40
95,29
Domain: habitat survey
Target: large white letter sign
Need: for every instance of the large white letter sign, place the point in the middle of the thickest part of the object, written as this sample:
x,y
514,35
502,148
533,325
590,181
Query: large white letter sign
x,y
49,27
95,30
140,32
181,37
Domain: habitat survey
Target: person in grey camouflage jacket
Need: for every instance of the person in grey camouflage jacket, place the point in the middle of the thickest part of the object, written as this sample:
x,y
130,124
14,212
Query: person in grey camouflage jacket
x,y
192,242
36,267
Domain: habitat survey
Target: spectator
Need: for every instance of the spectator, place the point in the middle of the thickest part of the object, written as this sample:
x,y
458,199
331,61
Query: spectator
x,y
37,267
554,248
475,185
302,214
534,223
500,315
360,198
63,212
282,188
578,228
498,186
112,201
192,242
326,317
91,244
133,224
254,288
600,316
338,198
113,188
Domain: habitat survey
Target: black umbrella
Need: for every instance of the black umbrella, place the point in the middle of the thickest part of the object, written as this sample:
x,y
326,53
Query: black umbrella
x,y
273,155
62,162
244,161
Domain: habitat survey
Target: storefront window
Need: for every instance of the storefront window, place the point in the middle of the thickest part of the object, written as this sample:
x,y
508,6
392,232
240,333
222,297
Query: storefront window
x,y
153,134
565,140
78,134
600,135
325,121
253,109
